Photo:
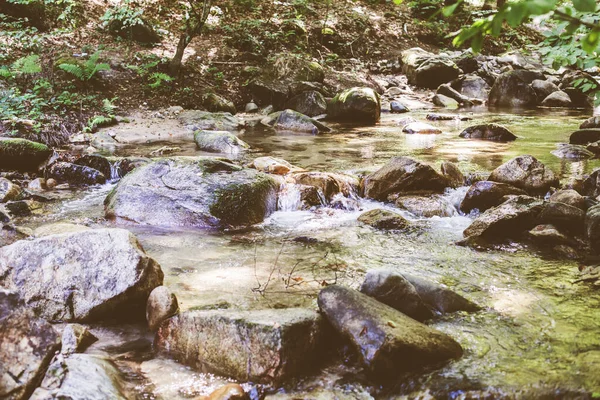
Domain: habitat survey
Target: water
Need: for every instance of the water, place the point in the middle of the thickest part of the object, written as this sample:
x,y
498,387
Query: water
x,y
537,333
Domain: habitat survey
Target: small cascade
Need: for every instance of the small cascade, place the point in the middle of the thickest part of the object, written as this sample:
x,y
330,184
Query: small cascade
x,y
289,198
115,171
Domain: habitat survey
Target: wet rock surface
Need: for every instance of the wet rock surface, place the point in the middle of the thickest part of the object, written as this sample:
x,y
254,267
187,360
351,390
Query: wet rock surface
x,y
527,173
219,142
486,194
384,219
75,174
356,104
161,305
494,132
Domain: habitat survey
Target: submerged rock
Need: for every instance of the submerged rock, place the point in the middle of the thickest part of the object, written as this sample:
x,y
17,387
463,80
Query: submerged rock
x,y
527,173
398,108
385,339
420,128
485,194
434,206
509,219
162,304
391,288
494,132
22,155
80,376
93,275
76,174
358,104
585,136
384,219
439,298
402,175
199,192
219,142
266,346
231,391
572,152
27,345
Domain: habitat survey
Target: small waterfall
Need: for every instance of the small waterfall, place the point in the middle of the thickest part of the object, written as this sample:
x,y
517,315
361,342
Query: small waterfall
x,y
289,198
115,171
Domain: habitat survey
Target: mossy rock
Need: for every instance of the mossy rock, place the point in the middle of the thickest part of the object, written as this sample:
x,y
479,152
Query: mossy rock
x,y
357,104
22,155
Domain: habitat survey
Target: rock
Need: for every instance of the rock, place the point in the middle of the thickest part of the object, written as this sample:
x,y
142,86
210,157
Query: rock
x,y
584,136
38,184
220,142
296,88
557,99
572,152
123,166
402,175
592,122
426,70
74,174
251,108
509,219
98,163
263,346
57,228
162,304
449,91
80,376
10,301
197,192
439,298
513,90
471,86
357,104
310,196
453,174
446,117
434,206
27,345
310,103
543,88
215,103
76,338
393,289
94,275
563,216
22,155
231,391
591,184
195,120
594,148
441,100
494,132
51,183
592,228
527,173
22,208
384,219
265,92
9,191
548,235
290,120
136,29
485,194
385,339
570,197
328,183
272,165
398,108
421,129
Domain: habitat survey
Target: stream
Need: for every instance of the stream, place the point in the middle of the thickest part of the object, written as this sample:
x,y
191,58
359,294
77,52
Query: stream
x,y
538,332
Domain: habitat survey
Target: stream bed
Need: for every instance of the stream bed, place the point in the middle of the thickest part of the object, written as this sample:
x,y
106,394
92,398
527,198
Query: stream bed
x,y
538,332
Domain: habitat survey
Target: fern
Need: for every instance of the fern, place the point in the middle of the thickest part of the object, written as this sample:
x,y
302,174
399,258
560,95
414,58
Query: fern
x,y
74,70
27,65
99,121
86,71
108,106
6,73
158,78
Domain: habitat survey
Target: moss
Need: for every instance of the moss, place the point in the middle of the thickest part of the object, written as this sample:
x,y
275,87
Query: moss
x,y
19,147
22,154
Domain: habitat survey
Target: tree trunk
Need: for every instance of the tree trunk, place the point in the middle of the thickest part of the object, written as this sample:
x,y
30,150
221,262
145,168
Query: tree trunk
x,y
175,64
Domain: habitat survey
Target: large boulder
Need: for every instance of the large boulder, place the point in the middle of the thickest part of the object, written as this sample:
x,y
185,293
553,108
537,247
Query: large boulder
x,y
266,346
591,184
563,216
543,88
570,197
431,206
268,92
509,219
393,289
513,90
196,192
527,173
385,339
403,175
80,376
215,103
585,136
310,103
22,155
472,86
290,120
557,99
98,163
76,174
136,29
485,194
384,219
220,142
357,104
592,228
494,132
195,120
427,70
591,122
91,275
27,345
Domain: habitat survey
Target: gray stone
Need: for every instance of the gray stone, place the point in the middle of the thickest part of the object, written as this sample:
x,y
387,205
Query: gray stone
x,y
74,174
424,69
357,104
197,192
592,228
485,194
494,132
290,120
543,88
591,122
94,275
434,206
549,235
391,288
162,304
220,142
591,184
472,86
563,216
441,100
9,191
195,120
513,90
527,173
439,298
557,99
572,152
570,197
215,103
449,91
272,165
398,108
263,346
585,136
328,183
384,219
453,174
310,103
76,338
385,339
266,92
96,162
420,128
251,108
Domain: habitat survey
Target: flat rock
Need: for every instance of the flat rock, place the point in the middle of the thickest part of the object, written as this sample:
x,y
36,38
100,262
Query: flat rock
x,y
572,152
527,173
384,219
420,128
219,142
485,194
266,346
493,132
195,120
585,136
432,206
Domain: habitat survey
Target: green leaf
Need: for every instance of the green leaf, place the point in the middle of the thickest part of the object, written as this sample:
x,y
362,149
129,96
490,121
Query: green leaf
x,y
585,5
397,1
477,42
516,14
449,10
590,41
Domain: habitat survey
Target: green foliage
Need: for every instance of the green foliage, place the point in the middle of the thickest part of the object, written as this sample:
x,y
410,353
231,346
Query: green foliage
x,y
23,66
87,70
126,13
97,121
157,79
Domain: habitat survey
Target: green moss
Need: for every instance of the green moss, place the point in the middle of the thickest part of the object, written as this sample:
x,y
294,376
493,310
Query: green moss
x,y
19,147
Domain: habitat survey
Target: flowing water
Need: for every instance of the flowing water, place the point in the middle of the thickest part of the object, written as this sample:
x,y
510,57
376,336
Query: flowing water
x,y
538,332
